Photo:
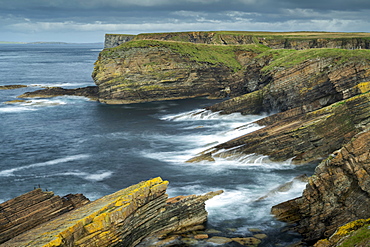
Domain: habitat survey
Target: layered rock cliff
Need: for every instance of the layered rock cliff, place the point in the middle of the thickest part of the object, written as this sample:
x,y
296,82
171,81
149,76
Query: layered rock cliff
x,y
123,218
148,70
141,71
338,192
276,40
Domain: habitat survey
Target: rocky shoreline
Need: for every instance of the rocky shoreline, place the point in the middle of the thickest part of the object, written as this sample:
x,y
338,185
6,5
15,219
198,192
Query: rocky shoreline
x,y
318,102
124,218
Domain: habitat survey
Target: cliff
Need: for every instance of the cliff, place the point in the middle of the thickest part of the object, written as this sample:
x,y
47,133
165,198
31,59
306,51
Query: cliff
x,y
149,70
140,71
338,192
275,40
123,218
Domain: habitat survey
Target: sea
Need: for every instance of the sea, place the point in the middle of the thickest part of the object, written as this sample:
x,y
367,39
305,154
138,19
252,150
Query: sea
x,y
71,144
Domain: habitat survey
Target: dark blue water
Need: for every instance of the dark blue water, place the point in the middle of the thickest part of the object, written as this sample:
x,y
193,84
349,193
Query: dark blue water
x,y
73,145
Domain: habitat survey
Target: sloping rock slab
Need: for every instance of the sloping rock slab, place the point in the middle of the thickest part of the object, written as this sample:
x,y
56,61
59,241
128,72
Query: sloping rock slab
x,y
32,209
123,218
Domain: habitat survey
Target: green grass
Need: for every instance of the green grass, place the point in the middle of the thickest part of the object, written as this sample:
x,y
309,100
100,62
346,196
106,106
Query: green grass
x,y
225,54
202,53
361,236
284,58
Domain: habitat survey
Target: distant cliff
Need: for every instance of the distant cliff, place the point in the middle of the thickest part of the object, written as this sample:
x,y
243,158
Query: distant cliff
x,y
275,40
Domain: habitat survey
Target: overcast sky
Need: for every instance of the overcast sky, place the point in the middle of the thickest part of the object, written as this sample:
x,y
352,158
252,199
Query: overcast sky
x,y
88,20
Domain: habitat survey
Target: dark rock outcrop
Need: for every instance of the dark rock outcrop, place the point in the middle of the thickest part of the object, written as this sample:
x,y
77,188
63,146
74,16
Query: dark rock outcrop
x,y
123,218
29,210
89,92
113,40
338,192
7,87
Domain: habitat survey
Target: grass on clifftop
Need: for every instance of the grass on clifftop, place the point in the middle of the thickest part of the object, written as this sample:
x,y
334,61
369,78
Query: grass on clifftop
x,y
225,54
284,58
202,53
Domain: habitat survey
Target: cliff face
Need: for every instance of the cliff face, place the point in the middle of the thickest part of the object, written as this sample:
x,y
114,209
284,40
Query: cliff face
x,y
282,40
113,40
150,70
123,218
310,89
338,192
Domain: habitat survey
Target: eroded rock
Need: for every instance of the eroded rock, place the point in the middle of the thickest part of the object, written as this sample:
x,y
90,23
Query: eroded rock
x,y
338,192
123,218
29,210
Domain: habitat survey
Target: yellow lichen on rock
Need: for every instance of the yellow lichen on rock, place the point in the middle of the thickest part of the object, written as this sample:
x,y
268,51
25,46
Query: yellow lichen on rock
x,y
364,87
93,222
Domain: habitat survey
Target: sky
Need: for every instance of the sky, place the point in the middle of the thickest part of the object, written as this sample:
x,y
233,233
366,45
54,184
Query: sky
x,y
87,21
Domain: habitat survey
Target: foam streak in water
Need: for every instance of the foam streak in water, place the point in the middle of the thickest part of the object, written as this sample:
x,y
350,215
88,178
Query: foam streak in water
x,y
10,172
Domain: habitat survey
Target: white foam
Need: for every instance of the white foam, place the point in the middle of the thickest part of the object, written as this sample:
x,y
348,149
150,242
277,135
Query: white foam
x,y
58,84
10,172
201,114
95,177
44,102
15,109
213,132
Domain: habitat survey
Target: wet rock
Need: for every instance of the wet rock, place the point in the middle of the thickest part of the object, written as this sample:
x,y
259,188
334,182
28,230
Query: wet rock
x,y
254,230
337,193
251,241
203,157
7,87
219,240
201,236
260,236
17,101
189,241
89,92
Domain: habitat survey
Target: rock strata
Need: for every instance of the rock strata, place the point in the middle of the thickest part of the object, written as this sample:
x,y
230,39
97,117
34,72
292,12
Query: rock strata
x,y
32,209
338,192
123,218
142,71
306,137
276,40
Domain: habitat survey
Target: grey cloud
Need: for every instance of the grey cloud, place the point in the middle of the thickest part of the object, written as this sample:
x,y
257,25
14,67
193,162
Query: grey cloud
x,y
43,17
